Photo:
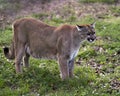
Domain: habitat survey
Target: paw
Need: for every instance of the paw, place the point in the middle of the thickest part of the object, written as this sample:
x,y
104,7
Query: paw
x,y
64,77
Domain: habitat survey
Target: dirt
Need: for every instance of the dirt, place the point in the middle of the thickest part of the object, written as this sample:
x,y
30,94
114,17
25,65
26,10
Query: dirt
x,y
57,8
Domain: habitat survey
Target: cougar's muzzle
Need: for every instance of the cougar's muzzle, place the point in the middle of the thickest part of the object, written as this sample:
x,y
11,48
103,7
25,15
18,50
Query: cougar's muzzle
x,y
91,38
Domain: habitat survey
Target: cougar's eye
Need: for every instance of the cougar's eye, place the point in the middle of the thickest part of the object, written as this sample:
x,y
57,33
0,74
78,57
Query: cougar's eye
x,y
93,33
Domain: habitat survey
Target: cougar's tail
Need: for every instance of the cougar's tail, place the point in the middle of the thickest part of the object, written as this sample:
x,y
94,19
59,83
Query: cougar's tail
x,y
9,52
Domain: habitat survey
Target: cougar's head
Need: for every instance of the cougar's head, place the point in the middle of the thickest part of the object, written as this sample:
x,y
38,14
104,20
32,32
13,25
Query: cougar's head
x,y
88,31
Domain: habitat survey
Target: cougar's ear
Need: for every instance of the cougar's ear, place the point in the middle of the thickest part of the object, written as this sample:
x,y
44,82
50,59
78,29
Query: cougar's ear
x,y
79,28
93,24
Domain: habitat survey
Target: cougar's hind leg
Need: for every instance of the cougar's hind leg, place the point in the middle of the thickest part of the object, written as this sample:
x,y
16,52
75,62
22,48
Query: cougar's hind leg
x,y
19,53
26,59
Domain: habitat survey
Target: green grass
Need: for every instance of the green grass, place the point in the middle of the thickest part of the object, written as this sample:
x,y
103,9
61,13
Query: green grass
x,y
97,67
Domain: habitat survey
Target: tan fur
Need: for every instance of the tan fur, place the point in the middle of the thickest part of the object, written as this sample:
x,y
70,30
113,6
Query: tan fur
x,y
37,39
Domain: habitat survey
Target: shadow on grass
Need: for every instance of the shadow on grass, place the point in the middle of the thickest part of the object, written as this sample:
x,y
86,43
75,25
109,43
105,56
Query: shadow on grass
x,y
44,80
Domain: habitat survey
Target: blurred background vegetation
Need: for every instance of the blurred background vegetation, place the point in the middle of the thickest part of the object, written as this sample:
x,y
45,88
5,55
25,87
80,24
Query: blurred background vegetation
x,y
53,9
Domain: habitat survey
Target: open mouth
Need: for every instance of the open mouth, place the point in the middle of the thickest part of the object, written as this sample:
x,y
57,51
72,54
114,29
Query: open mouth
x,y
90,39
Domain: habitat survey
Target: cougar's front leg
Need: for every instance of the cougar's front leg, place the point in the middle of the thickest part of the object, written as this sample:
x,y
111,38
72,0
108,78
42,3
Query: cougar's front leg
x,y
71,66
26,60
64,55
64,71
